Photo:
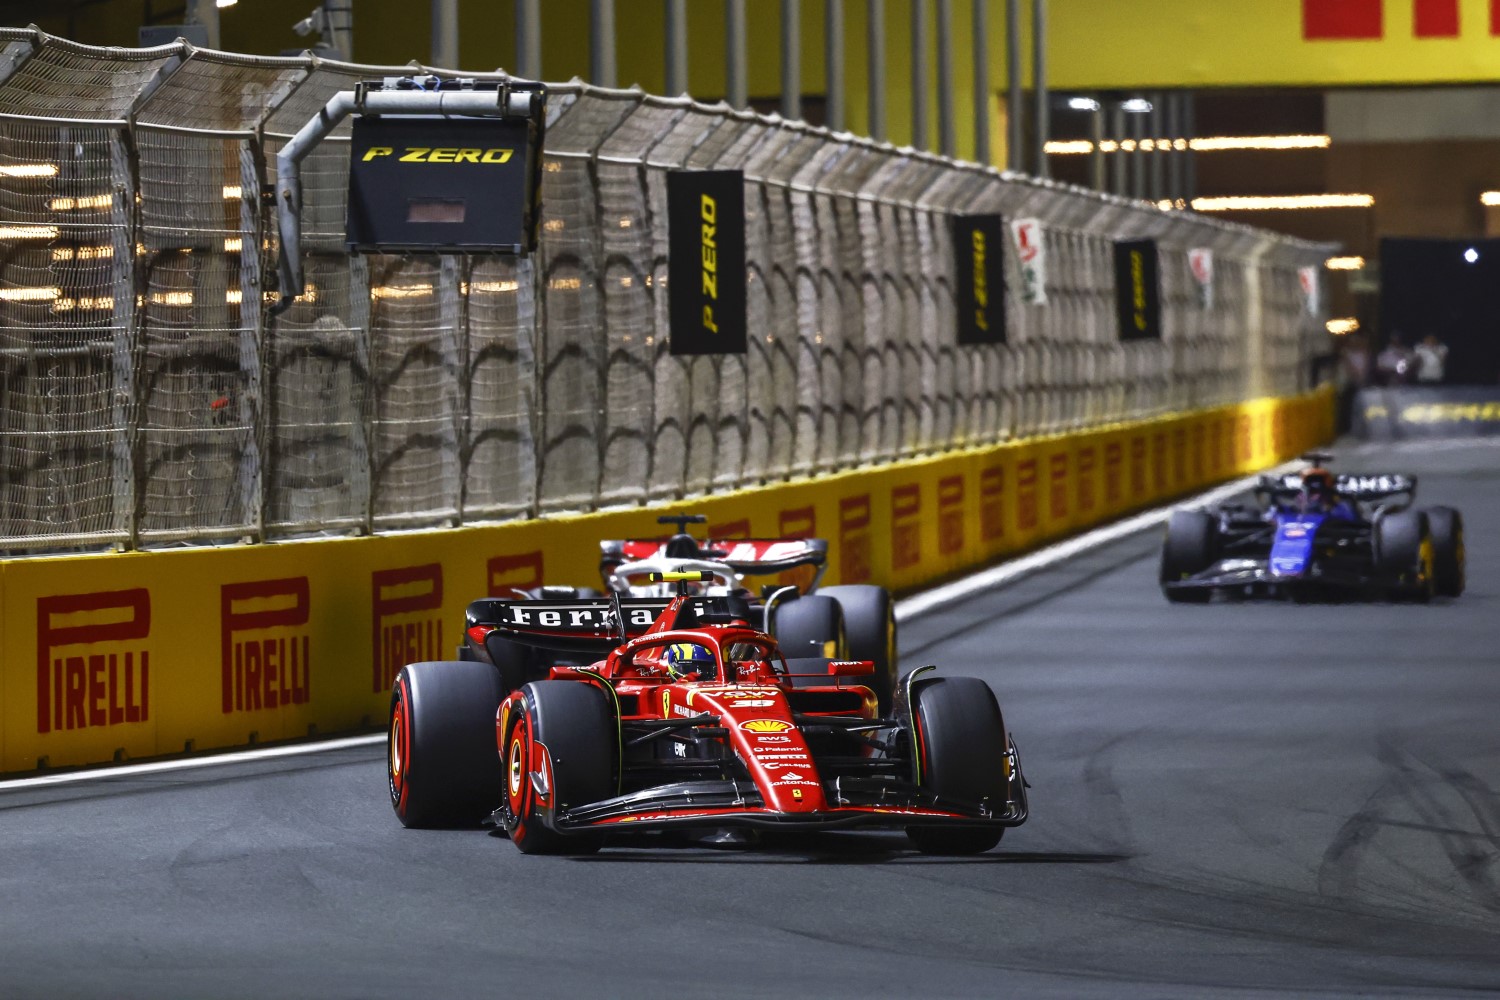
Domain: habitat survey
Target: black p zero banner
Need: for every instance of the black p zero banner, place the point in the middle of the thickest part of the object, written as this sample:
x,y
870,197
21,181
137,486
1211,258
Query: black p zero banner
x,y
706,261
1456,411
1137,290
979,278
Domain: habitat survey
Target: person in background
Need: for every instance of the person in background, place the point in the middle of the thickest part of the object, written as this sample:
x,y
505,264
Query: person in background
x,y
1394,364
1431,360
1352,376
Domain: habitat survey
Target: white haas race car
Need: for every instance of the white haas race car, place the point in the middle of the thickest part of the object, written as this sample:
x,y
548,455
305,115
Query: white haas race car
x,y
851,622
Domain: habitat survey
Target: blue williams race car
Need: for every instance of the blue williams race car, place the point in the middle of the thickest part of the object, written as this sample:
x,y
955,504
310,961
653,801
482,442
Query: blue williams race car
x,y
1312,534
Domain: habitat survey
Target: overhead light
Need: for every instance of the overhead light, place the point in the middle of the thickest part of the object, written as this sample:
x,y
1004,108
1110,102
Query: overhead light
x,y
1069,147
1471,255
1339,327
1260,203
1083,104
28,232
1216,144
29,294
221,4
1345,263
28,170
1135,105
1491,198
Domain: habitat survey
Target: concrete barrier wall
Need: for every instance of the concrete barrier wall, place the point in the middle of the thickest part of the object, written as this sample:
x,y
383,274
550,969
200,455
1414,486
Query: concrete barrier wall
x,y
140,654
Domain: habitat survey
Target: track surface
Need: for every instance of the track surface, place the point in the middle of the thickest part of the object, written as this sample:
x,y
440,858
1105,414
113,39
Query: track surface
x,y
1227,801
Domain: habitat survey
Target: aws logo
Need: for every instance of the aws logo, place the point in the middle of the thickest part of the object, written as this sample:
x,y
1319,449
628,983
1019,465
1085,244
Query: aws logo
x,y
440,154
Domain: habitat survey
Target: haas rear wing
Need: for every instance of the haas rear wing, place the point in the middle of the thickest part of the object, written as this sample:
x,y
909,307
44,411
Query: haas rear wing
x,y
746,556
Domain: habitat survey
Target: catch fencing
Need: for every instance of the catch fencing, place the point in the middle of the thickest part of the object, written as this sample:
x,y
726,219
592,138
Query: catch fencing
x,y
148,397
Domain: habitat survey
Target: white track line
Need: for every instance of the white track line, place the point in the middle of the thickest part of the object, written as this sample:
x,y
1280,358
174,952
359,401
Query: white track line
x,y
927,600
906,609
238,757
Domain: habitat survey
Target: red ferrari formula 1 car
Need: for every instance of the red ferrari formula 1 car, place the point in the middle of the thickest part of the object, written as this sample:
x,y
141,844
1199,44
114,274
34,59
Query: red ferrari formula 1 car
x,y
692,719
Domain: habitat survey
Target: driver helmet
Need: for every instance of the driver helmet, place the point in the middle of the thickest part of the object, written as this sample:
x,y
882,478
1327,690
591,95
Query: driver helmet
x,y
1317,488
689,660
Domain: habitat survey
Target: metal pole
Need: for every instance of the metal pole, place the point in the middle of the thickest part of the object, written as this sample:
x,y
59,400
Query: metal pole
x,y
445,33
1137,165
1117,178
981,27
833,64
339,16
1174,157
677,65
791,59
602,71
1190,158
206,13
1043,124
1159,154
919,73
529,39
875,53
1014,134
734,45
1096,136
947,141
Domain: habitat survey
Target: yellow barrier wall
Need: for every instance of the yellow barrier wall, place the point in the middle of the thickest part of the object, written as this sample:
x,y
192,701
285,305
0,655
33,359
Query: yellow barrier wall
x,y
114,656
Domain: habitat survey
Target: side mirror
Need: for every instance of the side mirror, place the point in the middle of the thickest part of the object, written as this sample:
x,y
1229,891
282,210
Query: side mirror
x,y
851,668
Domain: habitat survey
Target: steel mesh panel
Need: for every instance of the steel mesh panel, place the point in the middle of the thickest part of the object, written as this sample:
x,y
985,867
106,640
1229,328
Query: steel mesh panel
x,y
197,417
318,389
213,92
581,127
69,81
500,468
413,385
191,191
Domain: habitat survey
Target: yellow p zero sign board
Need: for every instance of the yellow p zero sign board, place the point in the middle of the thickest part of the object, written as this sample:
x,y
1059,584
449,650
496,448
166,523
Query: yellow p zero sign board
x,y
1175,43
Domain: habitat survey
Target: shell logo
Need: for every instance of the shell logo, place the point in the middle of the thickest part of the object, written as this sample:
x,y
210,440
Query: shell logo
x,y
766,726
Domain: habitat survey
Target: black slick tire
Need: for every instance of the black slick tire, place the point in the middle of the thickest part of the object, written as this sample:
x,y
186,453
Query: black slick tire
x,y
808,626
1189,548
960,743
1403,551
442,763
574,724
870,627
1448,556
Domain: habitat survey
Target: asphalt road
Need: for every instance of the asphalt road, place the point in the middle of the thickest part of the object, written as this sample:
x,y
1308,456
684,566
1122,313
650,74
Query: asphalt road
x,y
1232,800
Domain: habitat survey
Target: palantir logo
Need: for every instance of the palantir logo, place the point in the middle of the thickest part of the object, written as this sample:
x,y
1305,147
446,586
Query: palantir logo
x,y
93,668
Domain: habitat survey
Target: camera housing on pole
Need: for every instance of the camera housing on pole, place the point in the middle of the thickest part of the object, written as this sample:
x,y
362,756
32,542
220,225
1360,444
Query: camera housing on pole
x,y
435,166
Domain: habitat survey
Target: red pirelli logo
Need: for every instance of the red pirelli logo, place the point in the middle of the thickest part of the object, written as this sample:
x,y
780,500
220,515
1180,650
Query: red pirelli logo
x,y
1086,479
1057,491
516,572
264,644
92,666
950,515
1364,20
992,503
798,522
406,630
854,538
730,529
1027,513
906,530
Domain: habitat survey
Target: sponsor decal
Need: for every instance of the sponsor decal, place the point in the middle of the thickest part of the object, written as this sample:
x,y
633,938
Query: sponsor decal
x,y
754,703
684,711
706,261
906,538
778,752
979,279
781,740
1114,460
1137,290
854,539
950,515
517,572
1057,493
93,664
1138,466
1031,258
1086,479
406,606
440,154
793,778
992,503
796,522
765,726
1027,513
264,644
574,617
1201,266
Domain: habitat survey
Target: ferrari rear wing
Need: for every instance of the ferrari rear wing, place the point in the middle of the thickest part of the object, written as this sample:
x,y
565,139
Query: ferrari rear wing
x,y
578,626
746,556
